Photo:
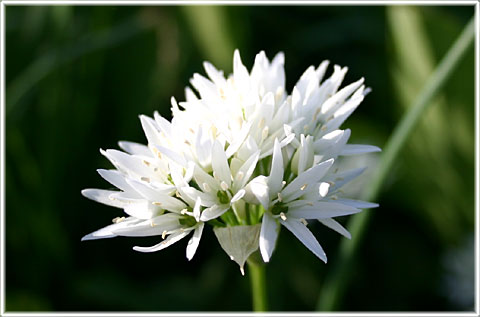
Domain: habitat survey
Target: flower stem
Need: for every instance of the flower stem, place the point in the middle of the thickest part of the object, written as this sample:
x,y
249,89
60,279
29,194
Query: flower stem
x,y
336,280
256,271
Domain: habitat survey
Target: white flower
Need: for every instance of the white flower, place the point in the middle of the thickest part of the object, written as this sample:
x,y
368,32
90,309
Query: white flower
x,y
239,152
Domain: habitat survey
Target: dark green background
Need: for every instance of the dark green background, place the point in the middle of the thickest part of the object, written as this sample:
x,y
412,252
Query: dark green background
x,y
77,77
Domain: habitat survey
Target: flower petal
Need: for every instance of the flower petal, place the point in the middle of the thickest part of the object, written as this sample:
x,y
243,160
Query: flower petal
x,y
245,171
306,237
165,243
357,203
239,195
172,155
354,149
133,227
220,164
256,191
213,212
103,196
309,177
135,148
321,210
268,236
275,179
115,178
334,225
194,241
157,197
196,209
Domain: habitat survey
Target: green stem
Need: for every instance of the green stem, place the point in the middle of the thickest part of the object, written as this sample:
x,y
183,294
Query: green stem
x,y
256,271
336,281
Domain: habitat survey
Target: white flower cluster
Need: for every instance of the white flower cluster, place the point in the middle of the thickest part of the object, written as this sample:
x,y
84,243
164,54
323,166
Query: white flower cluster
x,y
239,152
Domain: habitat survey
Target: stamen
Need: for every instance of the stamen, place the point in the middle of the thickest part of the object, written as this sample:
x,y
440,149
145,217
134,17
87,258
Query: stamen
x,y
145,179
264,133
206,187
156,203
213,131
282,215
280,198
118,219
323,128
261,124
303,187
242,271
239,175
152,224
284,183
224,186
303,221
146,162
333,197
315,115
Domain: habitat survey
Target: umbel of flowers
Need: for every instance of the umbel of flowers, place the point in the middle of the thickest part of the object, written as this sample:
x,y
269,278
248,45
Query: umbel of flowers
x,y
243,156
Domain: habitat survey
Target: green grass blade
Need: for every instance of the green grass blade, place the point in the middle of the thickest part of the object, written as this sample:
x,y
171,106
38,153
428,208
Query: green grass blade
x,y
337,279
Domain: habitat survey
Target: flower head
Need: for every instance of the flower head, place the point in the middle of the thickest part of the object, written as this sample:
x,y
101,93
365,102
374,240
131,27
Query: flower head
x,y
239,152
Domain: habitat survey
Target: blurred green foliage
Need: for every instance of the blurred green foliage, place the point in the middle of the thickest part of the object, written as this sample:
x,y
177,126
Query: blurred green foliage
x,y
77,77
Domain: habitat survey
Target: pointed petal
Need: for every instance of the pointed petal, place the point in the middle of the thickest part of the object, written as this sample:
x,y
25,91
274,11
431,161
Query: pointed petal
x,y
172,155
108,231
213,212
165,243
220,164
201,178
275,179
239,195
268,236
322,209
135,148
306,237
150,128
334,225
127,163
232,148
115,178
245,171
193,193
158,198
196,209
356,203
354,149
256,191
142,210
103,196
133,227
309,177
194,241
342,178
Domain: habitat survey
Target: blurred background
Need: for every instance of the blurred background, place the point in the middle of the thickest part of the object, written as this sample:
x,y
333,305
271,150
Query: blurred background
x,y
77,77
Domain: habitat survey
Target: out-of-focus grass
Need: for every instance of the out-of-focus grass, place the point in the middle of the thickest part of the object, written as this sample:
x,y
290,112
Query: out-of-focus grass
x,y
95,74
336,282
445,208
210,28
